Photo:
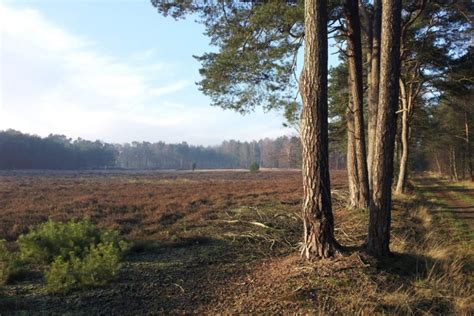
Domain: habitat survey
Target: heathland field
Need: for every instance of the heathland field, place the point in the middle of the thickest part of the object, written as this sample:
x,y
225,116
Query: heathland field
x,y
229,242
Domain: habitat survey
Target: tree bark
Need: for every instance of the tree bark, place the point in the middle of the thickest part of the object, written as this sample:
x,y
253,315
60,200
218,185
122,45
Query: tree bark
x,y
319,241
354,52
403,170
438,164
352,174
373,89
463,165
454,167
407,107
380,207
468,145
451,169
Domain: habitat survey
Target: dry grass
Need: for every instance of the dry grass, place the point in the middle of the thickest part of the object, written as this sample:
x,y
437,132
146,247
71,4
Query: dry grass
x,y
228,243
140,205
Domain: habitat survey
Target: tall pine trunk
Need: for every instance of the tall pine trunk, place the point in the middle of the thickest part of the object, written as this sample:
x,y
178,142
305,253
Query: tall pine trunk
x,y
373,80
319,241
382,174
356,84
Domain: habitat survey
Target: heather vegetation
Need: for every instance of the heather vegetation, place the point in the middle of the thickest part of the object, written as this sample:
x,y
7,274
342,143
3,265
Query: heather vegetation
x,y
363,212
220,242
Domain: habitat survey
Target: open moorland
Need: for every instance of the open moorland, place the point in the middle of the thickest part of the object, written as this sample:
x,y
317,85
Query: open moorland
x,y
141,205
229,242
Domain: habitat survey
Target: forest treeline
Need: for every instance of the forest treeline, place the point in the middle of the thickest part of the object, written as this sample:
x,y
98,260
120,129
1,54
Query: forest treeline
x,y
24,151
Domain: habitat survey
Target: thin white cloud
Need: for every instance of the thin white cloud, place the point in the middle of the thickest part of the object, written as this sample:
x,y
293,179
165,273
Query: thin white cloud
x,y
53,81
73,75
171,88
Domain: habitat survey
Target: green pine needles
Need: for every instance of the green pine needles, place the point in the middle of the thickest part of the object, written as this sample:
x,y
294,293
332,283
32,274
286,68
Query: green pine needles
x,y
75,254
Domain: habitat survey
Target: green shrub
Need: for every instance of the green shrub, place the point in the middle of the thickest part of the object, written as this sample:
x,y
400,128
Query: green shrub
x,y
78,253
51,239
60,276
4,264
100,265
254,167
9,264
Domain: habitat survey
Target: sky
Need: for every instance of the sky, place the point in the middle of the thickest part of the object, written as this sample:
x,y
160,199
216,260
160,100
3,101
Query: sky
x,y
113,70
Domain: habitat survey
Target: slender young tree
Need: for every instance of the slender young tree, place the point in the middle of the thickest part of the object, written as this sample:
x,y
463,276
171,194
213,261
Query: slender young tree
x,y
356,140
373,38
351,156
412,80
319,241
380,207
432,34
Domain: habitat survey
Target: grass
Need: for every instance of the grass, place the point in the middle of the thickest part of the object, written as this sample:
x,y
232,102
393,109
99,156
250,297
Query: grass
x,y
243,257
441,194
429,272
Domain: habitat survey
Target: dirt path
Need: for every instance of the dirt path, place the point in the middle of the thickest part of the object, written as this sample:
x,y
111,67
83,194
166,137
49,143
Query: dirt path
x,y
452,198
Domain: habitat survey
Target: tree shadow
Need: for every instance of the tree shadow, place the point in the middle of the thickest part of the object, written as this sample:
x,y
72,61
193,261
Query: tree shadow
x,y
408,269
407,265
166,278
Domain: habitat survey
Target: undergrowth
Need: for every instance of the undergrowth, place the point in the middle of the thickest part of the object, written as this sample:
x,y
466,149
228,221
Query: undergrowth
x,y
10,265
75,254
243,258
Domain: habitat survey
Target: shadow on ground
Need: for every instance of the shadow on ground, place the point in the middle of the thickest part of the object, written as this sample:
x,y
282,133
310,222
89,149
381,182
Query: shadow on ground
x,y
162,278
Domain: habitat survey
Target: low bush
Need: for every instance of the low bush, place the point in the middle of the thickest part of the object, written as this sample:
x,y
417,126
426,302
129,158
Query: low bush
x,y
51,239
9,264
97,267
78,253
254,167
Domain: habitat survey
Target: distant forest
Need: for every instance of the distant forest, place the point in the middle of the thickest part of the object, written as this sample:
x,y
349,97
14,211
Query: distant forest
x,y
24,151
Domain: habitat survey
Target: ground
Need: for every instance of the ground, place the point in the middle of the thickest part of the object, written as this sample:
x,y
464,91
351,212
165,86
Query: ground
x,y
456,198
228,242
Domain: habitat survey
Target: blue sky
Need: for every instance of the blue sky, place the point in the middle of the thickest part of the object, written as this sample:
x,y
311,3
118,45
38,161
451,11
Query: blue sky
x,y
111,70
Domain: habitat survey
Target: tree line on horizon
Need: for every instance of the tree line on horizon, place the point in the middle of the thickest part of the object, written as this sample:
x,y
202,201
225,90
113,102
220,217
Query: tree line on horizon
x,y
24,151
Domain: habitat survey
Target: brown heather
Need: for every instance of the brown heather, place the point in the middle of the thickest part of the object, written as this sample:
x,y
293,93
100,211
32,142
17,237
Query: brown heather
x,y
228,243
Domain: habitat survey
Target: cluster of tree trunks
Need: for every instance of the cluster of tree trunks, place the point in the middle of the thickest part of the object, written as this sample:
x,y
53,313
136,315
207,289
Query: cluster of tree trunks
x,y
373,32
370,170
319,239
318,232
452,155
357,169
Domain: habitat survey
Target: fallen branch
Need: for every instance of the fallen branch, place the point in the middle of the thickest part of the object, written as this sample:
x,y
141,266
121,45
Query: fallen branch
x,y
236,221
